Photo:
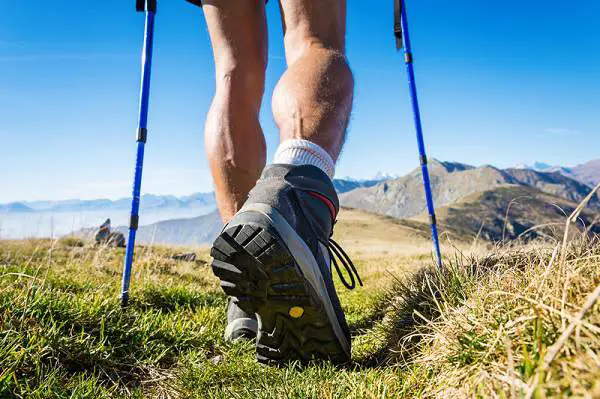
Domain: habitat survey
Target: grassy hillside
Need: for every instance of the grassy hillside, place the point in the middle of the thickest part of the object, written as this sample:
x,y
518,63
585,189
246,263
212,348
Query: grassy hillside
x,y
511,212
487,326
555,184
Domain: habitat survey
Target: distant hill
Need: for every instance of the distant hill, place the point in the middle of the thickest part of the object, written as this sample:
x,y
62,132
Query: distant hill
x,y
403,197
554,183
588,173
189,232
154,202
15,207
510,212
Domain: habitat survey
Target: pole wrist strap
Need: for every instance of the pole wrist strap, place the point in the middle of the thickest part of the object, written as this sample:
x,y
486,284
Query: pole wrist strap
x,y
398,23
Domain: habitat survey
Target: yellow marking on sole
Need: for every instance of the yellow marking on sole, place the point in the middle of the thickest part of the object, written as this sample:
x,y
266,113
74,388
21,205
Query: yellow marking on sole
x,y
296,312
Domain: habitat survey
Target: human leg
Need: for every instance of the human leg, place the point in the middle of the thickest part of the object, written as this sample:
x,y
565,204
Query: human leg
x,y
233,137
313,99
276,254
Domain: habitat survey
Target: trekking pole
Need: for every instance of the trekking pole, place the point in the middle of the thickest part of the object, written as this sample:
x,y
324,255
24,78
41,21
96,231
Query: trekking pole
x,y
149,7
403,37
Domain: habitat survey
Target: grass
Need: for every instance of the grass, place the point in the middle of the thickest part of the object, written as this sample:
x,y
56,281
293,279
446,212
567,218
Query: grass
x,y
483,328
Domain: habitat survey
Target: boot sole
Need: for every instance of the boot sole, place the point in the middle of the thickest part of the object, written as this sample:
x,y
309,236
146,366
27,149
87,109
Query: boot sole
x,y
297,321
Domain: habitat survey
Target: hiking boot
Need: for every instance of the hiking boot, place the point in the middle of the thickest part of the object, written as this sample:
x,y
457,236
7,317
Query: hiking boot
x,y
240,325
275,257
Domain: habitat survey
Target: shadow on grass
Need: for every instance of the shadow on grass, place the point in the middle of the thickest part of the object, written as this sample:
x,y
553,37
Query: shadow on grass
x,y
368,321
413,301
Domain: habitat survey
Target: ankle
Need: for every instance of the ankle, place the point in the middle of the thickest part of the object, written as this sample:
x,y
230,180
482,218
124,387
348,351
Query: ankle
x,y
304,152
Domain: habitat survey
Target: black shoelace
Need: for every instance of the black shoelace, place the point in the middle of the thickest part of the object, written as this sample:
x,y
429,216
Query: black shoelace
x,y
336,251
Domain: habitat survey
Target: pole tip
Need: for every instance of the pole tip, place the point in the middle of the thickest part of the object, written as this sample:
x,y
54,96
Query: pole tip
x,y
124,298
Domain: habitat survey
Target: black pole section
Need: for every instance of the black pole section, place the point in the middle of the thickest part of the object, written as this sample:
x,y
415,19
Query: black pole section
x,y
146,6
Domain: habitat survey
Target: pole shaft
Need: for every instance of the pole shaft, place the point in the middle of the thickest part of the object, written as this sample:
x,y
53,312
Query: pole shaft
x,y
139,162
419,130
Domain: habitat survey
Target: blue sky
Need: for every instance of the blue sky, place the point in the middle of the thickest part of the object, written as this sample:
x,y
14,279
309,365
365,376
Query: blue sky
x,y
500,83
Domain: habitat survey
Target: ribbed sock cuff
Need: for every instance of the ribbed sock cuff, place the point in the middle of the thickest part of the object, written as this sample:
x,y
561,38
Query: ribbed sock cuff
x,y
304,152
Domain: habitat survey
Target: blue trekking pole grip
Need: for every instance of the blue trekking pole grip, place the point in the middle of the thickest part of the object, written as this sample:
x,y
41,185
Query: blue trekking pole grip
x,y
403,41
149,7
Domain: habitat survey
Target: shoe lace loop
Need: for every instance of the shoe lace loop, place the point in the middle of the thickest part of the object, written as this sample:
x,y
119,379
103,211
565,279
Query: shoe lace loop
x,y
336,251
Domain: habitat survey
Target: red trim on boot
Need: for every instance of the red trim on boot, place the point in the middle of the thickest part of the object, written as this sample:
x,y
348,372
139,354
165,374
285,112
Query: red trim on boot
x,y
327,202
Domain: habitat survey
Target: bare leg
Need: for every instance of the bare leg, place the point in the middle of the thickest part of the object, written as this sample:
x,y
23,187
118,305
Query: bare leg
x,y
234,140
292,210
313,99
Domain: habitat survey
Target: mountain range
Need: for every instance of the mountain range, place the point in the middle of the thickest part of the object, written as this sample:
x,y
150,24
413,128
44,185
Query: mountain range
x,y
451,181
470,201
148,201
474,201
486,202
153,202
586,173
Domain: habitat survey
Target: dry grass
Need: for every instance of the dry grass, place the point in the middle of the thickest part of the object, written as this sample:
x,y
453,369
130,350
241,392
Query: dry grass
x,y
518,323
367,235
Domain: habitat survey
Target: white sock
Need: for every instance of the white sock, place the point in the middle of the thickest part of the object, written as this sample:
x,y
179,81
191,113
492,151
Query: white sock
x,y
304,152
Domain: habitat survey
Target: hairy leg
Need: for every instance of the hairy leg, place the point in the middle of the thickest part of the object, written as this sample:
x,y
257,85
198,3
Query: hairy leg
x,y
234,141
313,99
